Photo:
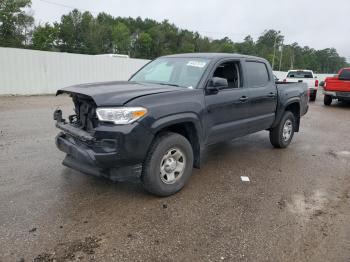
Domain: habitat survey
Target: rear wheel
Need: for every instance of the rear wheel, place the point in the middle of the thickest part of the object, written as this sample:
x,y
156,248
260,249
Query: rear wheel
x,y
282,134
313,96
168,165
327,100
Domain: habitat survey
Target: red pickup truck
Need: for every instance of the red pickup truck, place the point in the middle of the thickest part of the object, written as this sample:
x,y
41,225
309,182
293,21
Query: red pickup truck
x,y
337,87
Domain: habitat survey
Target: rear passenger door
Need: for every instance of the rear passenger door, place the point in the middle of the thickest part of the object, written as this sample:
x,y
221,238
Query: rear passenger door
x,y
262,93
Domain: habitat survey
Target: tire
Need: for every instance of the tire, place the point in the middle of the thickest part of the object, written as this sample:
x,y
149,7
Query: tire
x,y
327,100
313,96
279,138
168,165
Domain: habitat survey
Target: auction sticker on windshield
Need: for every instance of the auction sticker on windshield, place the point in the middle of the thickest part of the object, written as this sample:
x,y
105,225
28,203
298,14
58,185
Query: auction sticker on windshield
x,y
196,64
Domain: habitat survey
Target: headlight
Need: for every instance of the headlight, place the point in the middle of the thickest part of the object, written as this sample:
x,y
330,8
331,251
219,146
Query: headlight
x,y
120,115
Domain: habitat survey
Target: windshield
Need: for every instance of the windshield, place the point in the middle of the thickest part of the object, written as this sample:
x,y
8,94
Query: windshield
x,y
300,74
182,72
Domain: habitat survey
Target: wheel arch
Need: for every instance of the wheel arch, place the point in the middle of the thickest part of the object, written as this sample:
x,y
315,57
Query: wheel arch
x,y
187,125
292,105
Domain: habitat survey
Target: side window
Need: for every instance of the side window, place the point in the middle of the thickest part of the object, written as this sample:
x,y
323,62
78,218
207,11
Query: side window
x,y
345,74
257,74
231,71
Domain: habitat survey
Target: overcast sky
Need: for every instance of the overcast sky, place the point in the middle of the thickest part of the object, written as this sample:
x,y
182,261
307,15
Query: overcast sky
x,y
315,23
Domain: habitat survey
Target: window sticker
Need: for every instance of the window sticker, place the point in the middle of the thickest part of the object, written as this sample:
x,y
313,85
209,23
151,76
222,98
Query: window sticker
x,y
196,64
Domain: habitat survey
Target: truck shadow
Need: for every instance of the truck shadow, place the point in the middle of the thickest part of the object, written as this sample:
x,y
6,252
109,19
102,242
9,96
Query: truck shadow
x,y
342,104
83,183
224,153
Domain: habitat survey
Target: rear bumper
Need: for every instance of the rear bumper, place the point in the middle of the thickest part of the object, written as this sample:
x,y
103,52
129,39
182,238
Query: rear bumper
x,y
338,95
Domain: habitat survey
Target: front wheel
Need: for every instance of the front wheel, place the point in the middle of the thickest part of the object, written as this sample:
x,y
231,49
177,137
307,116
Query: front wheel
x,y
168,165
282,134
327,100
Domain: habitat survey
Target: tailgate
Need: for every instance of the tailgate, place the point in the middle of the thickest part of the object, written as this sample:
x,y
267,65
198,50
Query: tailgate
x,y
309,82
337,85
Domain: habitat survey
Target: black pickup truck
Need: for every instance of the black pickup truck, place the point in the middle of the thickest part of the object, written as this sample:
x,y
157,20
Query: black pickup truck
x,y
156,126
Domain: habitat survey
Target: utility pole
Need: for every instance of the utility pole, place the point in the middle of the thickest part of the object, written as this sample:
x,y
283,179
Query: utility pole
x,y
274,53
279,68
274,50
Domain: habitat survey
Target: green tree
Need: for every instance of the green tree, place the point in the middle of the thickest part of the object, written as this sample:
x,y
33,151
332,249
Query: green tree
x,y
246,47
79,33
186,42
143,45
202,44
69,32
45,37
104,23
224,45
267,45
158,38
15,23
121,38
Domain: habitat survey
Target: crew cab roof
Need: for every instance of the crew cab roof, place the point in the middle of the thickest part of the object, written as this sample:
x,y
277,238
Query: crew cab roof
x,y
300,70
216,56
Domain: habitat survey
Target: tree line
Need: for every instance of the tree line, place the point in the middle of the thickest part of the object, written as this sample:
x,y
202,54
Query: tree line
x,y
83,33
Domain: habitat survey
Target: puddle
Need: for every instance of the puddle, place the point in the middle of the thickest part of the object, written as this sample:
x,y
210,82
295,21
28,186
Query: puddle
x,y
307,206
344,153
339,154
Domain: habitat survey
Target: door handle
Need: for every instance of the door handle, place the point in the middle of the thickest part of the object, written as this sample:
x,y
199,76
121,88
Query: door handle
x,y
271,94
243,99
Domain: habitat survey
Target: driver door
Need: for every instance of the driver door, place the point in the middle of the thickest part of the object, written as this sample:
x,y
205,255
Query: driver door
x,y
227,109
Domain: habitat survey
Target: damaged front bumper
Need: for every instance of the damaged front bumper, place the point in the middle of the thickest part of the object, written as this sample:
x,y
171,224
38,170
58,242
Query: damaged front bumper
x,y
110,151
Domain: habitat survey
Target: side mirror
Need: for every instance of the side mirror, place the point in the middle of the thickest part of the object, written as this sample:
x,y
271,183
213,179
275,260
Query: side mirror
x,y
219,82
216,84
322,83
315,76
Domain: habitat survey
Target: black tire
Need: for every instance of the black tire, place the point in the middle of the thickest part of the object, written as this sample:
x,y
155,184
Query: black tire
x,y
327,100
276,134
313,96
151,173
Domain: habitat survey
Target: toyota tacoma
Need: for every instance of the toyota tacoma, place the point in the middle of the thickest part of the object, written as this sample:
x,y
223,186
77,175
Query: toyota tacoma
x,y
157,126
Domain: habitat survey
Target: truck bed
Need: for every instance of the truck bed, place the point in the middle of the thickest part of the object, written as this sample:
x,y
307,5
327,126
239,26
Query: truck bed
x,y
335,84
286,90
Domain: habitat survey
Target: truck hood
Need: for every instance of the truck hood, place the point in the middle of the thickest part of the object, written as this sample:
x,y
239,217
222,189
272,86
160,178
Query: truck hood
x,y
115,93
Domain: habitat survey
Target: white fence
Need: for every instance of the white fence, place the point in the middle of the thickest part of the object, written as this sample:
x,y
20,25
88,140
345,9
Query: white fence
x,y
28,72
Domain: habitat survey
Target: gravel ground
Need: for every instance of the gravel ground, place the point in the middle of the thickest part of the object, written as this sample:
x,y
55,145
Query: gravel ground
x,y
295,207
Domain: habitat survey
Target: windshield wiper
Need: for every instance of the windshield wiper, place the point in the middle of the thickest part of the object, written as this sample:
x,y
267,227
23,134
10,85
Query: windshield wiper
x,y
165,84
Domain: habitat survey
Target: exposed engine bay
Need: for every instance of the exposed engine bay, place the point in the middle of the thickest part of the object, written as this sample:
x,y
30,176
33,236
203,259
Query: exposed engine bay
x,y
85,113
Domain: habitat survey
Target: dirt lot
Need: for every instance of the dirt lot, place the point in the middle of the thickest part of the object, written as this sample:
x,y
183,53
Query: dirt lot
x,y
296,207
